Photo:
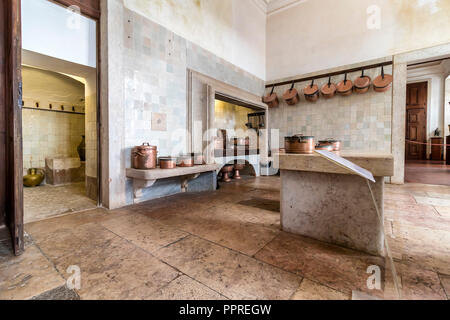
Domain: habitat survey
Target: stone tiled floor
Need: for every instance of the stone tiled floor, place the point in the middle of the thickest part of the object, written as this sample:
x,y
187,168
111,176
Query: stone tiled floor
x,y
428,172
47,201
228,245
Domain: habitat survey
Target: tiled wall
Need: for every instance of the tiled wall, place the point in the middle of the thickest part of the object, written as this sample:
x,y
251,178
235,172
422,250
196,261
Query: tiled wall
x,y
155,63
361,121
232,118
47,134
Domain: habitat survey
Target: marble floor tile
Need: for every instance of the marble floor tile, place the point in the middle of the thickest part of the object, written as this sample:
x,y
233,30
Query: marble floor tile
x,y
47,201
185,288
310,290
234,275
433,201
143,231
445,281
26,276
342,269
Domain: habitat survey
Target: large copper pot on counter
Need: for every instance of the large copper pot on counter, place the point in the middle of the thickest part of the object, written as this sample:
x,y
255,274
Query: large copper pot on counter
x,y
144,157
299,144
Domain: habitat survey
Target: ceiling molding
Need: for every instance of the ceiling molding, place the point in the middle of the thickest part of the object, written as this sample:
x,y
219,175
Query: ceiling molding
x,y
270,7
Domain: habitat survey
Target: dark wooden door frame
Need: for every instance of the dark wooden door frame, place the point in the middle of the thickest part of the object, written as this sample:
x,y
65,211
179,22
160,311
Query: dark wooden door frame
x,y
12,42
13,104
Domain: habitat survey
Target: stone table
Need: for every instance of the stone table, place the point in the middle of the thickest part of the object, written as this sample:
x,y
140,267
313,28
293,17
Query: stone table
x,y
324,201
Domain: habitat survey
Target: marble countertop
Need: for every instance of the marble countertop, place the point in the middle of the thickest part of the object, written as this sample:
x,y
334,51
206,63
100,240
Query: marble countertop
x,y
381,165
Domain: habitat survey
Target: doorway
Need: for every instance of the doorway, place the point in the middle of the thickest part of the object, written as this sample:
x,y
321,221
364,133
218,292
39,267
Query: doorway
x,y
416,121
426,124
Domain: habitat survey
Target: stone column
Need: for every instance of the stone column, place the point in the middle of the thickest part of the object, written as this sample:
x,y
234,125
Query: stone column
x,y
398,121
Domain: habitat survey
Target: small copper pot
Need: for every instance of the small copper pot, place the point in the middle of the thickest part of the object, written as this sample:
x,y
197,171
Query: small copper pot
x,y
167,162
186,160
336,144
199,159
144,157
299,144
327,147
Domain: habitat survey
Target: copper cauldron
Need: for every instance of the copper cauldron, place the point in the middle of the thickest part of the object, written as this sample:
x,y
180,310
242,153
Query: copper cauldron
x,y
144,157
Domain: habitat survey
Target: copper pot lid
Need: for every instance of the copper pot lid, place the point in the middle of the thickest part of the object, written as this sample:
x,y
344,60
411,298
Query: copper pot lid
x,y
329,89
383,81
345,86
363,82
290,93
299,137
311,89
146,146
329,141
271,97
167,159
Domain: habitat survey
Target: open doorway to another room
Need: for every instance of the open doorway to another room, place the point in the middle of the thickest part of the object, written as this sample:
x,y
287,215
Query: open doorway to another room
x,y
427,131
59,111
237,144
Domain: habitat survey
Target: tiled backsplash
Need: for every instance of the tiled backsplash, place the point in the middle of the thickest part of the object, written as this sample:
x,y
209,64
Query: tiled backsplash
x,y
47,134
361,121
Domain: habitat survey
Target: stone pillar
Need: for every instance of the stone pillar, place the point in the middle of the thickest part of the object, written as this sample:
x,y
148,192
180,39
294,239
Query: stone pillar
x,y
398,121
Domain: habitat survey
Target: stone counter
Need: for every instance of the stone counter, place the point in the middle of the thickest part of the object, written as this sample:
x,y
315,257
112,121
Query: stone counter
x,y
324,201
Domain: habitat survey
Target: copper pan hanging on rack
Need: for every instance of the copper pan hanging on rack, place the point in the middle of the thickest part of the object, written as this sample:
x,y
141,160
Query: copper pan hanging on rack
x,y
271,99
291,96
383,82
311,92
328,90
362,84
345,87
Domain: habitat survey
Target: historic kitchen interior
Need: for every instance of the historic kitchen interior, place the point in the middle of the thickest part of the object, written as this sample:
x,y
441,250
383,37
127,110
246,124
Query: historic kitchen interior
x,y
197,153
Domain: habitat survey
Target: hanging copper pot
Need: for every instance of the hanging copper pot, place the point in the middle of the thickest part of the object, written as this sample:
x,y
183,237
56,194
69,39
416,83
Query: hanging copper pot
x,y
271,100
291,96
311,92
383,82
328,90
345,87
362,84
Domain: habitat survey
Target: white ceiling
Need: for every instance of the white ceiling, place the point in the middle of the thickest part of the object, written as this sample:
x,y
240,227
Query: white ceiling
x,y
272,6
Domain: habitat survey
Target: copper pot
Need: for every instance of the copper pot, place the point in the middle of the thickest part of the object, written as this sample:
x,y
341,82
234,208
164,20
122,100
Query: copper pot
x,y
327,147
271,99
299,144
383,82
144,157
291,96
362,84
186,160
311,92
167,162
328,90
345,87
336,144
199,159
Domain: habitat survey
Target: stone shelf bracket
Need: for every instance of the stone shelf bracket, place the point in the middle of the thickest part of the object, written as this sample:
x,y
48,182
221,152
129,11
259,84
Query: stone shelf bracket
x,y
147,178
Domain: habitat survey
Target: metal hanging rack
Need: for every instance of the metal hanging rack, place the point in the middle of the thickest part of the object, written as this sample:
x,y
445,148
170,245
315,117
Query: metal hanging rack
x,y
330,74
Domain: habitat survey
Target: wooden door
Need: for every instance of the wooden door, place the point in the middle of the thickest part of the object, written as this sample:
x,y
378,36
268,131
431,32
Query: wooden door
x,y
11,130
416,120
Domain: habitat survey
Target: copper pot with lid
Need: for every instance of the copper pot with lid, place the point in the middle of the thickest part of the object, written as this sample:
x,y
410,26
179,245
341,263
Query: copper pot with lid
x,y
362,84
186,160
345,87
272,99
291,96
311,92
383,82
144,157
328,90
299,144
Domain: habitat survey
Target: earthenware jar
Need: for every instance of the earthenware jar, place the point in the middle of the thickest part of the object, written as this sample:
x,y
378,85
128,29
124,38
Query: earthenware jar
x,y
238,167
225,173
81,149
33,178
